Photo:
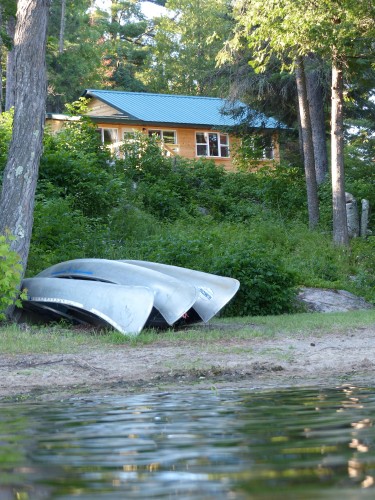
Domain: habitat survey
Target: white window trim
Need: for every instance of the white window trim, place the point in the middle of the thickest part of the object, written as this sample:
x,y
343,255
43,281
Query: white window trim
x,y
206,133
101,129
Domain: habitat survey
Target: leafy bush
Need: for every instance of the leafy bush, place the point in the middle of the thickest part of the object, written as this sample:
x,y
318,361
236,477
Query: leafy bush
x,y
265,287
128,222
6,121
60,233
363,267
219,248
10,275
75,162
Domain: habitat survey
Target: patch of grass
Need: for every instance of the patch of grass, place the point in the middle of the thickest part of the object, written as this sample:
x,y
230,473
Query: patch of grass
x,y
49,340
64,340
305,323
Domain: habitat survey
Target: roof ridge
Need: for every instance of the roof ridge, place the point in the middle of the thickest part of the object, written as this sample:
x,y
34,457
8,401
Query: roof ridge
x,y
157,94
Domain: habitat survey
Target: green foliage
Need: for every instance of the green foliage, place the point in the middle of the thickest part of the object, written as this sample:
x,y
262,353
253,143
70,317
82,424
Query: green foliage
x,y
78,64
61,232
248,225
247,152
226,249
184,48
125,45
279,29
173,188
75,162
359,164
10,275
266,288
363,262
129,223
6,122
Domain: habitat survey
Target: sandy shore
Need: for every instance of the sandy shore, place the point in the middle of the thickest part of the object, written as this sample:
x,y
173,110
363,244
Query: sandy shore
x,y
326,359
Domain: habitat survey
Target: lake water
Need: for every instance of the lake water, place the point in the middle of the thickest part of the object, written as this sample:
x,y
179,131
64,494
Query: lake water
x,y
212,444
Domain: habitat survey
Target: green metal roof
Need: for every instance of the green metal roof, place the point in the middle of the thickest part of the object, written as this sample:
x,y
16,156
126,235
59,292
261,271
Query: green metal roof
x,y
175,109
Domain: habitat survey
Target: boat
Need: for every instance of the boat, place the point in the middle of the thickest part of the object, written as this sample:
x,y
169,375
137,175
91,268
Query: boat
x,y
125,308
173,298
214,291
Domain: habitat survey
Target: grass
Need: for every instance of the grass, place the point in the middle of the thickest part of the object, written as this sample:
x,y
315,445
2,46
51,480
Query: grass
x,y
60,339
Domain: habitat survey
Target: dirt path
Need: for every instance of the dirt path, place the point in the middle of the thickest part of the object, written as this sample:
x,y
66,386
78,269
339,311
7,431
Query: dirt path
x,y
283,361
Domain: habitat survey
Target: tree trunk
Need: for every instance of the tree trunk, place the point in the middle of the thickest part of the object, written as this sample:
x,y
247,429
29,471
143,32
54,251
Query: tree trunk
x,y
21,171
315,97
364,218
340,226
10,71
308,150
62,27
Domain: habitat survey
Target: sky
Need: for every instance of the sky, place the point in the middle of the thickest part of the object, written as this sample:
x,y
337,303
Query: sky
x,y
151,9
148,8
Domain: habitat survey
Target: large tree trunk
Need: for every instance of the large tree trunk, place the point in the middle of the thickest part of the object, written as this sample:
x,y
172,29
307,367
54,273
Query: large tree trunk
x,y
21,171
315,95
340,226
308,150
10,71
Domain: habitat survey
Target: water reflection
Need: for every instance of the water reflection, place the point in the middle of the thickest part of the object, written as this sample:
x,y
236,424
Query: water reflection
x,y
303,444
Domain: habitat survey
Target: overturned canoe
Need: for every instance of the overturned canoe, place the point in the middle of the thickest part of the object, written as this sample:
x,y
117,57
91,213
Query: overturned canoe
x,y
213,291
173,297
125,308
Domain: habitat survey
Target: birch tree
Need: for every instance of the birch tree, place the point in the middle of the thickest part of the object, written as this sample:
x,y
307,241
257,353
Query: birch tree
x,y
21,171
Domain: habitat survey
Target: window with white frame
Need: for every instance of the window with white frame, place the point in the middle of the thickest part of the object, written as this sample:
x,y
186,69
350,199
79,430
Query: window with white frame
x,y
167,136
212,144
108,136
261,146
128,134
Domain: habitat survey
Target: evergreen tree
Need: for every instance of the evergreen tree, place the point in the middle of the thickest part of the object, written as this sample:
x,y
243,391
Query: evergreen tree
x,y
74,51
186,42
126,36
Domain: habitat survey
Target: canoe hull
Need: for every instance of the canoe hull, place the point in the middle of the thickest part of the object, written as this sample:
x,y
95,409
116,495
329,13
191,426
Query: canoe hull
x,y
213,291
125,308
173,298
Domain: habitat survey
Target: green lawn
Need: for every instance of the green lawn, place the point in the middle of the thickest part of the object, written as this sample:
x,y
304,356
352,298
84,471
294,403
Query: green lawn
x,y
64,339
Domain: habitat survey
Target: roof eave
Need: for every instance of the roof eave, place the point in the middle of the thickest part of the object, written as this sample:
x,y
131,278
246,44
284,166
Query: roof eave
x,y
131,121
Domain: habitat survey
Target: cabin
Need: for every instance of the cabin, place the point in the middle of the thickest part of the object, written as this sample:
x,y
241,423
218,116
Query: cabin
x,y
189,126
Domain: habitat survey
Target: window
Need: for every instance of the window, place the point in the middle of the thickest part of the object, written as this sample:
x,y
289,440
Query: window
x,y
212,144
108,135
128,134
260,147
167,136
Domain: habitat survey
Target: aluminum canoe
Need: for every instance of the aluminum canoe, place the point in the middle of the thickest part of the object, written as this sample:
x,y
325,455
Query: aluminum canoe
x,y
214,291
125,308
172,297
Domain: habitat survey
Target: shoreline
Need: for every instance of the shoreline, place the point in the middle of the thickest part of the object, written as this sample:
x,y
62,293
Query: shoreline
x,y
259,363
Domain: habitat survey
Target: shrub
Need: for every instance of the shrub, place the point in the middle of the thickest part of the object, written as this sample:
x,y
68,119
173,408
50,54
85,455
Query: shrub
x,y
265,287
6,121
75,163
61,232
224,249
363,262
10,276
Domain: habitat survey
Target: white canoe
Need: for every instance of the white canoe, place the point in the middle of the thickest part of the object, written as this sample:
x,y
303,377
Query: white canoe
x,y
213,291
172,297
125,308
